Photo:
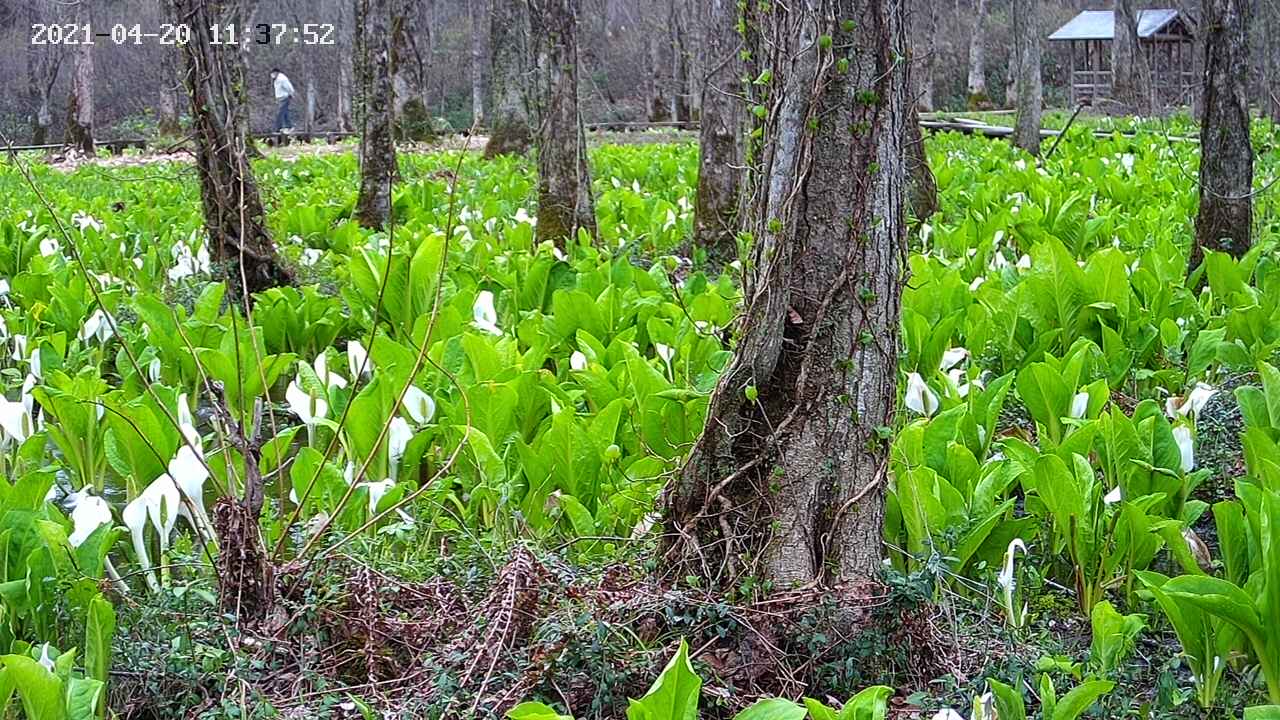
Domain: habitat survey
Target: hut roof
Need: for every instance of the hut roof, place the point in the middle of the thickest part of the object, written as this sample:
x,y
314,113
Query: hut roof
x,y
1101,24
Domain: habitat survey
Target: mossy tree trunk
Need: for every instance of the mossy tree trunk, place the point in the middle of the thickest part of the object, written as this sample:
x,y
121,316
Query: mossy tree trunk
x,y
715,220
1225,219
510,77
787,481
565,200
233,211
375,110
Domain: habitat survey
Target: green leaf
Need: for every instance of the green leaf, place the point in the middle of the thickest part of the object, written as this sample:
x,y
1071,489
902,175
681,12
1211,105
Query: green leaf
x,y
1220,598
1080,699
674,695
534,711
773,709
100,626
871,703
1009,703
39,690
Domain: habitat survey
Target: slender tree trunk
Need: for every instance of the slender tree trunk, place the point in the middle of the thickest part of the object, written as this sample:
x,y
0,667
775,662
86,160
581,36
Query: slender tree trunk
x,y
1129,82
924,59
233,212
346,77
511,75
167,102
565,200
715,219
1226,155
1270,93
374,32
922,199
43,62
1026,132
787,481
978,98
478,60
659,106
309,115
79,133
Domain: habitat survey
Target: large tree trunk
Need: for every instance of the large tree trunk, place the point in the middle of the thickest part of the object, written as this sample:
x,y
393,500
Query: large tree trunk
x,y
1129,82
787,481
476,9
977,85
167,101
509,37
374,21
79,133
1026,131
346,77
1226,155
233,212
565,200
715,219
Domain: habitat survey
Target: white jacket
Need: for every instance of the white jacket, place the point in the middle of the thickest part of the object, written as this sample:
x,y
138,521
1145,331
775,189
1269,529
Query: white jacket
x,y
283,87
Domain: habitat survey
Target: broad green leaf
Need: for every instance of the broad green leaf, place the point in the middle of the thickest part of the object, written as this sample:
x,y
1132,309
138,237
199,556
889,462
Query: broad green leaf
x,y
674,695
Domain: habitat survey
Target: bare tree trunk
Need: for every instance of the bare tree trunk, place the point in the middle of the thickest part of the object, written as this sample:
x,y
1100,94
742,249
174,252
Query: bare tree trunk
x,y
1270,94
43,63
659,107
978,98
309,116
565,200
233,212
374,33
922,199
346,76
924,59
167,102
1129,82
787,481
236,225
478,59
79,133
1226,155
1026,132
509,37
715,219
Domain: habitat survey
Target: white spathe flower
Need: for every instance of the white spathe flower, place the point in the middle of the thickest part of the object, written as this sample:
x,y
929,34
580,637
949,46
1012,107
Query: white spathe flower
x,y
15,419
158,504
419,405
376,491
666,352
1193,403
1186,447
947,714
99,326
1113,497
135,518
46,659
358,359
919,398
153,369
398,436
523,216
88,514
187,469
977,283
307,408
4,286
577,361
958,378
311,256
85,221
1024,263
953,357
486,316
48,246
327,377
1006,577
1079,405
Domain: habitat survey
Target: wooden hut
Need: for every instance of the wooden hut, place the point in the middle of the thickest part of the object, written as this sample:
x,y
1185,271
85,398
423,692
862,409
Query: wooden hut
x,y
1166,37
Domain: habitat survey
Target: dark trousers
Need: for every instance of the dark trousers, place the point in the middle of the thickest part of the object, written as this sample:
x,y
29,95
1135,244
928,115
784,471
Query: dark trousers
x,y
282,115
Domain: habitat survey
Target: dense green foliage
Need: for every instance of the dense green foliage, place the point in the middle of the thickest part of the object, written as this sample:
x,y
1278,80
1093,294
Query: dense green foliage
x,y
453,379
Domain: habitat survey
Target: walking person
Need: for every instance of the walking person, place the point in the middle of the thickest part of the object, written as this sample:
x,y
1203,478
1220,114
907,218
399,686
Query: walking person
x,y
284,92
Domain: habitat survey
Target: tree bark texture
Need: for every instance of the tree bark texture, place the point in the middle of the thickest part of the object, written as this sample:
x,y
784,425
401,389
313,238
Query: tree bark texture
x,y
565,200
787,481
922,198
923,58
1026,131
233,212
659,105
715,219
510,78
374,19
43,63
977,85
1226,156
79,133
1130,84
476,10
1269,95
